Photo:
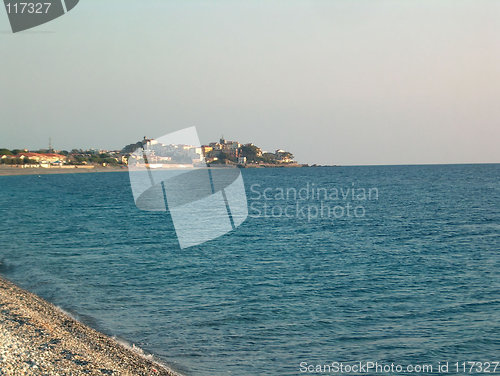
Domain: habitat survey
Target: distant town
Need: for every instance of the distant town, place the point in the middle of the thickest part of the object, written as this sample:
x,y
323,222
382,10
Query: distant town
x,y
149,151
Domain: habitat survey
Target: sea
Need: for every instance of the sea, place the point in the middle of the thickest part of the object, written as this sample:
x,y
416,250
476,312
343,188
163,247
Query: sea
x,y
334,265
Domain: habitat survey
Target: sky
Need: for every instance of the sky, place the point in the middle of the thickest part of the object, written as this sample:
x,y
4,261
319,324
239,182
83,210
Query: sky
x,y
347,82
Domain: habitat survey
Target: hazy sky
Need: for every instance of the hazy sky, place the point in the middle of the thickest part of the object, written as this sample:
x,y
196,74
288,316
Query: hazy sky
x,y
334,82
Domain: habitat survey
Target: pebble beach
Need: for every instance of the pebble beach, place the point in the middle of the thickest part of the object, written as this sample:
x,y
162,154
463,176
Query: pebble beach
x,y
37,338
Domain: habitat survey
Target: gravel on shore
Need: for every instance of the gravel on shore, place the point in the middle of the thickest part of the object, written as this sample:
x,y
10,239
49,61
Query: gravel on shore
x,y
36,338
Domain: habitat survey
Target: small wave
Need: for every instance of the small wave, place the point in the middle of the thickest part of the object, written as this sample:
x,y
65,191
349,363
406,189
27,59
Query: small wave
x,y
66,313
133,347
139,351
130,346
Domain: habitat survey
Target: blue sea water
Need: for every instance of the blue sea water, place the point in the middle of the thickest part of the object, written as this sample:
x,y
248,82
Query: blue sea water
x,y
413,278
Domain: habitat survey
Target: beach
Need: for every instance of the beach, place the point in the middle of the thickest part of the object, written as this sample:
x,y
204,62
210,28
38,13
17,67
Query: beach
x,y
7,170
37,338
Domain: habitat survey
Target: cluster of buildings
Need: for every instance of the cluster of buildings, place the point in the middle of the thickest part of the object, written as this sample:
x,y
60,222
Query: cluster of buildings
x,y
157,155
221,152
97,156
47,159
233,151
34,159
230,148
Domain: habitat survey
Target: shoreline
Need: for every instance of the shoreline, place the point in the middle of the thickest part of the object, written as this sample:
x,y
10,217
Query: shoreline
x,y
36,337
16,171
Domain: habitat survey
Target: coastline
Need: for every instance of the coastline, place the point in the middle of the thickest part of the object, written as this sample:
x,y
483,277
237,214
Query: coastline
x,y
14,171
38,338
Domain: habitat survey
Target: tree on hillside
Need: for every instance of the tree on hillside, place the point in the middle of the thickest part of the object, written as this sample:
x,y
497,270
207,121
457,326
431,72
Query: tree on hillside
x,y
79,159
131,147
285,155
5,151
251,152
268,158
